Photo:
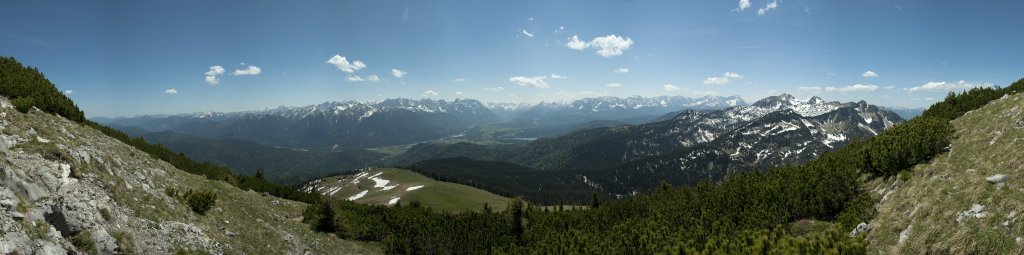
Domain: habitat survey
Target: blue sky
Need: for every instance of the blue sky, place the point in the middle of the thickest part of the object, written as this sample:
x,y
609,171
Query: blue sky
x,y
118,58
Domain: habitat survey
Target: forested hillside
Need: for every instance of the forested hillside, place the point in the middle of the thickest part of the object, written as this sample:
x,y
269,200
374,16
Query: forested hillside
x,y
27,87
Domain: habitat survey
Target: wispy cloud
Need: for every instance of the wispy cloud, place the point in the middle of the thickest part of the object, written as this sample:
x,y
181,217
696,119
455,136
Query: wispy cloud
x,y
171,91
613,85
398,73
429,93
68,92
555,76
248,70
526,33
345,66
533,82
670,87
724,79
869,74
621,70
768,7
372,78
937,86
354,78
853,88
495,89
460,79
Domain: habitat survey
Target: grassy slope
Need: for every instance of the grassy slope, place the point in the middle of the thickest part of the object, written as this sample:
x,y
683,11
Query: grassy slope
x,y
261,227
442,196
924,208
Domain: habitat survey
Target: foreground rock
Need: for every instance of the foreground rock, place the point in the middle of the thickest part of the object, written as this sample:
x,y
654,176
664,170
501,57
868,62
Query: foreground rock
x,y
68,189
996,179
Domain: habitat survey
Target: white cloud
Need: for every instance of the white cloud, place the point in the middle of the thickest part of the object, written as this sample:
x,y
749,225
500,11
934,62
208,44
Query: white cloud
x,y
555,76
429,93
743,5
495,89
890,87
343,64
526,33
611,45
171,91
459,79
815,89
354,78
724,79
560,29
607,46
372,78
853,88
69,92
211,75
869,74
670,87
613,85
946,86
576,44
621,70
512,95
458,93
770,6
398,73
534,82
215,70
249,70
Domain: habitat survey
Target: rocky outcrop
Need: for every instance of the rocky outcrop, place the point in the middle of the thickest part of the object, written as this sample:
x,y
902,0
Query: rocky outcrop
x,y
65,187
863,227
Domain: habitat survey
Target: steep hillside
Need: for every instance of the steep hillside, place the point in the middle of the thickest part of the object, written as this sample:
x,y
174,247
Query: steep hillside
x,y
390,186
67,187
966,201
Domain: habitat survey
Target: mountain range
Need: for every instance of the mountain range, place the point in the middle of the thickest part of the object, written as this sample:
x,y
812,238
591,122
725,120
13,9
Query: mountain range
x,y
690,147
351,125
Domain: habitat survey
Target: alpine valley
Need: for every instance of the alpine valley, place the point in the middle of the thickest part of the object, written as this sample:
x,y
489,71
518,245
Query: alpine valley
x,y
614,146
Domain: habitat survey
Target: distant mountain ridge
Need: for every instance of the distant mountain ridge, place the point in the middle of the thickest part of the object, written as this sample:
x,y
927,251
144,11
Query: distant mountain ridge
x,y
616,108
329,126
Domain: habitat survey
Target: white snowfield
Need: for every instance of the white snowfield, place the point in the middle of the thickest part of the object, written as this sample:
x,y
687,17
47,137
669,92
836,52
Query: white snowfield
x,y
394,200
357,196
379,183
414,188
